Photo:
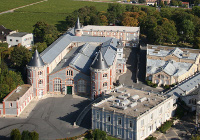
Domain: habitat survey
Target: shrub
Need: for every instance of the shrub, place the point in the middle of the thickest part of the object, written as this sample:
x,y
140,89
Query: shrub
x,y
164,127
34,135
25,135
151,138
166,87
15,134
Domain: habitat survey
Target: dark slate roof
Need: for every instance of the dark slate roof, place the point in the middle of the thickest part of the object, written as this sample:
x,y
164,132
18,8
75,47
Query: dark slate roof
x,y
99,62
36,60
20,34
4,32
77,26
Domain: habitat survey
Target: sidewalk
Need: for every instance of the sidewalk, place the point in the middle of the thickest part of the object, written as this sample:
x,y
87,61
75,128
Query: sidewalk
x,y
25,113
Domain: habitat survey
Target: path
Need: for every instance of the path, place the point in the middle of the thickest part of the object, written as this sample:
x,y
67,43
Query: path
x,y
12,10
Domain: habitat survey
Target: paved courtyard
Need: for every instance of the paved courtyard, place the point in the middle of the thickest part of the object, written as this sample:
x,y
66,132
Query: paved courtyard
x,y
181,131
136,71
52,118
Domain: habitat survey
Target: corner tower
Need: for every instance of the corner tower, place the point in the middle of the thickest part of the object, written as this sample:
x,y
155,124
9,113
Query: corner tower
x,y
37,75
78,31
100,76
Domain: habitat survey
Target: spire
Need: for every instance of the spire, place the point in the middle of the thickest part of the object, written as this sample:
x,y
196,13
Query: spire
x,y
78,25
99,62
36,60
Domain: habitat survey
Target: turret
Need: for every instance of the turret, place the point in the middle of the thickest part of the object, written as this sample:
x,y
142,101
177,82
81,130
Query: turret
x,y
100,76
37,75
78,31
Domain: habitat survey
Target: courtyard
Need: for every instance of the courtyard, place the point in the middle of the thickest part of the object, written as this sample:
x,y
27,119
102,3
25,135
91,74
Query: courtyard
x,y
52,118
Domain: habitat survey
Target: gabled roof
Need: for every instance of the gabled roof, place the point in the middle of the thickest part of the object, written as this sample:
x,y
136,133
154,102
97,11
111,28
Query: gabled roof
x,y
99,62
36,60
177,52
4,32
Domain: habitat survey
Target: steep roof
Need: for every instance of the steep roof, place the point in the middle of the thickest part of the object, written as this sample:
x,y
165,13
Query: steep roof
x,y
77,25
36,60
99,62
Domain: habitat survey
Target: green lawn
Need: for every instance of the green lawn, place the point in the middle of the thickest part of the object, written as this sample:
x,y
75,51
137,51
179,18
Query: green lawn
x,y
51,12
10,4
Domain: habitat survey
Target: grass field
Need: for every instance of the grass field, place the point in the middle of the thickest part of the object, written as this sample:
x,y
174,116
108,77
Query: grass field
x,y
10,4
51,12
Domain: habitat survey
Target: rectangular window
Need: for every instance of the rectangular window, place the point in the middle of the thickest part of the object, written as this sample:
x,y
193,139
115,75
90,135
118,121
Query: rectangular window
x,y
130,124
17,40
108,118
97,125
119,131
108,128
142,122
11,104
142,133
152,116
130,135
10,39
119,121
97,116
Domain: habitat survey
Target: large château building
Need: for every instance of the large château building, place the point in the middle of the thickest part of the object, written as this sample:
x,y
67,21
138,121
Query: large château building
x,y
84,61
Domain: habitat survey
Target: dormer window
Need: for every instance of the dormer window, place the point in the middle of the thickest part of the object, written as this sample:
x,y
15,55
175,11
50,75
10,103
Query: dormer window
x,y
69,73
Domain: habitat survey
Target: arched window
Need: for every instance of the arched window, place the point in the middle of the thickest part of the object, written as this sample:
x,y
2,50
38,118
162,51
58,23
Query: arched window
x,y
40,73
82,86
69,73
105,75
105,84
57,85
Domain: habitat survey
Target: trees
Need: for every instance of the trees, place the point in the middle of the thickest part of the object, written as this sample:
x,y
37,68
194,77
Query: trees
x,y
39,46
196,10
20,56
130,19
115,12
187,32
169,31
15,134
45,33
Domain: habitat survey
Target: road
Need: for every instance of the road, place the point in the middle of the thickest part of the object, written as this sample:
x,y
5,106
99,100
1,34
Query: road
x,y
52,118
12,10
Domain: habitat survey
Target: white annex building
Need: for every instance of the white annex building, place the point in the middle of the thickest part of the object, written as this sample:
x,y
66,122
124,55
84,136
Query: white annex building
x,y
20,38
132,114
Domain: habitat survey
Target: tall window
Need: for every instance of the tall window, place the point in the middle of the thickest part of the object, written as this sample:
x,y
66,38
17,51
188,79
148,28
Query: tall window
x,y
97,115
40,83
69,73
108,128
82,86
130,124
152,116
105,84
57,85
119,131
108,118
142,122
40,73
119,121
